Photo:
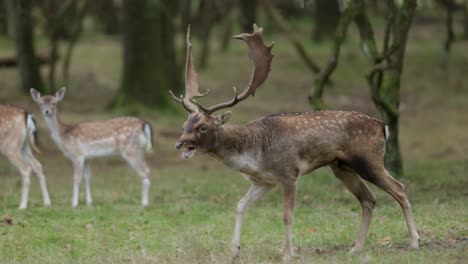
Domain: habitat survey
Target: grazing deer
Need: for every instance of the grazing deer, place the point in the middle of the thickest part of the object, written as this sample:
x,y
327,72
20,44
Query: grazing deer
x,y
17,137
278,149
128,136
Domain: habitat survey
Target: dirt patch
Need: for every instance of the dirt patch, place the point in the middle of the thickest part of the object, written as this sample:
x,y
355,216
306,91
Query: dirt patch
x,y
7,220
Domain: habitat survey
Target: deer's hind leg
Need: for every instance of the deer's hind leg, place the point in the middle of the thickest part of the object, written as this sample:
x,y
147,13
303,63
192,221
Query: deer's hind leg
x,y
17,160
375,173
37,168
136,159
361,191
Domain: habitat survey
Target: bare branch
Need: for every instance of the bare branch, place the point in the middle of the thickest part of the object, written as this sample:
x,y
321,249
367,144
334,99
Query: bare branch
x,y
282,25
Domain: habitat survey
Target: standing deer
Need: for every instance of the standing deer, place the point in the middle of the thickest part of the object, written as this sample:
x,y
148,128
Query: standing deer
x,y
278,149
128,136
17,137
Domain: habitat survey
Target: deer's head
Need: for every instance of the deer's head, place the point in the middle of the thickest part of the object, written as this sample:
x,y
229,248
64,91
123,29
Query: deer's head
x,y
202,125
48,103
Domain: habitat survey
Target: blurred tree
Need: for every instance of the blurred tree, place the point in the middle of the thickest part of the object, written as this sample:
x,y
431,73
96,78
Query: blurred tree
x,y
54,12
326,16
107,15
209,13
465,19
3,18
75,17
7,18
186,14
227,32
280,23
316,93
385,78
150,67
248,14
24,41
450,8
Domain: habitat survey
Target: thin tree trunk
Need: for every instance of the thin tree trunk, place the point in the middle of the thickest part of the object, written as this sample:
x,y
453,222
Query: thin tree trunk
x,y
54,42
24,41
282,25
326,17
77,29
465,20
385,80
186,14
227,32
247,14
450,34
347,16
3,18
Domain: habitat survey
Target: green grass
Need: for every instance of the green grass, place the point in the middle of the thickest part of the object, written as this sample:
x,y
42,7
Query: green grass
x,y
191,217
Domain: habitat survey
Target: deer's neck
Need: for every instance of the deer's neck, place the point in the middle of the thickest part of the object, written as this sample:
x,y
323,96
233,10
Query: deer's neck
x,y
57,128
238,140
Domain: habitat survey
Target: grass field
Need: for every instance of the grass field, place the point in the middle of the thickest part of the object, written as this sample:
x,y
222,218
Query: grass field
x,y
191,216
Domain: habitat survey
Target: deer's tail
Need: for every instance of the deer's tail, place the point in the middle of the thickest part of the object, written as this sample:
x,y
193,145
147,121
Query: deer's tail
x,y
148,131
31,130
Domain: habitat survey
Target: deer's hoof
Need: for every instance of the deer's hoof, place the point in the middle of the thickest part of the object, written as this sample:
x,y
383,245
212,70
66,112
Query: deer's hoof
x,y
355,250
287,258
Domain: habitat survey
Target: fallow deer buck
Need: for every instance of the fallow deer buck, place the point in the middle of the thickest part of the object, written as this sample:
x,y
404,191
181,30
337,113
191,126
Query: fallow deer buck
x,y
278,149
17,139
128,136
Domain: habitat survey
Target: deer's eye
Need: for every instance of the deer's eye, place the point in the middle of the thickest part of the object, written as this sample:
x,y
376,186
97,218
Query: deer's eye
x,y
203,129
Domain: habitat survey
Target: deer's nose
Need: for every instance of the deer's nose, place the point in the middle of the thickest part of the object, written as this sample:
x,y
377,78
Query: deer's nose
x,y
179,144
48,112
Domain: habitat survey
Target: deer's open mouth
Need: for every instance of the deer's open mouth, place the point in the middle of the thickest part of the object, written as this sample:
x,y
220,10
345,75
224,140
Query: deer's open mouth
x,y
189,151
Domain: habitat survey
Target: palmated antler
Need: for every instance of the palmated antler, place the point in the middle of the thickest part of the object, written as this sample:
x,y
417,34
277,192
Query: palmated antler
x,y
191,81
261,56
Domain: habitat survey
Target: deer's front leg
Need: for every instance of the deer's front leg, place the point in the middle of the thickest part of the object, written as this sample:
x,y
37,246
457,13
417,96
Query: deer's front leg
x,y
78,169
255,192
289,195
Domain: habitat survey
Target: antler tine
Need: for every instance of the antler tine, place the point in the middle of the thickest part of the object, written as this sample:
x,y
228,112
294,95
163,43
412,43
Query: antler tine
x,y
180,100
261,56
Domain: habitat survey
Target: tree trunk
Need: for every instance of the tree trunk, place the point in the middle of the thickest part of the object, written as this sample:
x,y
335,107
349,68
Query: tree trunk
x,y
149,64
53,55
76,30
326,16
227,32
385,80
186,14
323,78
390,90
280,23
107,15
3,18
247,14
26,56
465,20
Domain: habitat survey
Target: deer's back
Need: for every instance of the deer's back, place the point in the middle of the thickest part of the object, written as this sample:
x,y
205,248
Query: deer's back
x,y
307,140
104,129
12,121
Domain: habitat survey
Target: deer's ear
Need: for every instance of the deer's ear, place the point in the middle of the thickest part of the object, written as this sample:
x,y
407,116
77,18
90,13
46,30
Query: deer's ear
x,y
36,96
223,118
60,93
